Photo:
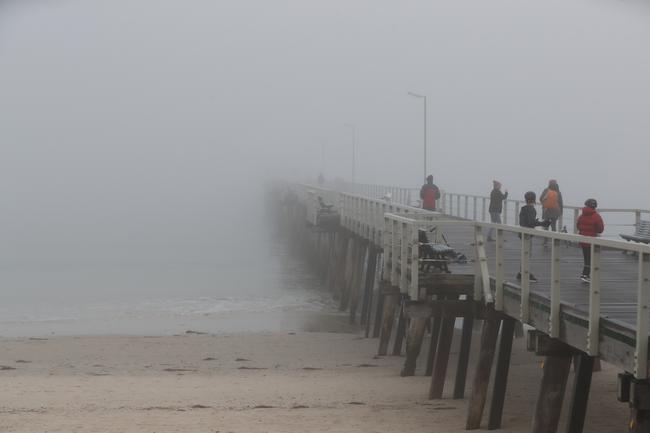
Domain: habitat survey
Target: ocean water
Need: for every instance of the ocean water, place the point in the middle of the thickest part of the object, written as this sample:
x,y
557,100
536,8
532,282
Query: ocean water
x,y
246,282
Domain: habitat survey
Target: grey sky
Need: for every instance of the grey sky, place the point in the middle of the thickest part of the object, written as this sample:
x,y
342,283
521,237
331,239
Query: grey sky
x,y
143,116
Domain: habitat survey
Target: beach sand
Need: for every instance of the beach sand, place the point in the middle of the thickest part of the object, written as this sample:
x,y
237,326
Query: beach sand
x,y
247,382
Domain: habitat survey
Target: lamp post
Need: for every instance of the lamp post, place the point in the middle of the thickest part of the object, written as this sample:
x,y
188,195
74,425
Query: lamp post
x,y
354,145
424,98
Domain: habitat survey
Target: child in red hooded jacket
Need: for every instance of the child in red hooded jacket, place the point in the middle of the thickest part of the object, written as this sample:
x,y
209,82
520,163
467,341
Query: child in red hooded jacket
x,y
590,223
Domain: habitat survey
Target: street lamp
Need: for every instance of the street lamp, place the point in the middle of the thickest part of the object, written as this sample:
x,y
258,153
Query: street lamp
x,y
354,144
424,98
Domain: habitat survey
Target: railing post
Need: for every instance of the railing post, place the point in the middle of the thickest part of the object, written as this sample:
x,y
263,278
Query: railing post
x,y
499,276
414,290
403,257
466,206
637,218
474,210
516,211
505,211
525,277
575,220
393,252
642,318
593,333
554,319
483,212
458,205
387,259
482,279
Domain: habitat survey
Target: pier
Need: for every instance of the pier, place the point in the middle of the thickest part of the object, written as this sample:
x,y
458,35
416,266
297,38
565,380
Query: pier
x,y
369,245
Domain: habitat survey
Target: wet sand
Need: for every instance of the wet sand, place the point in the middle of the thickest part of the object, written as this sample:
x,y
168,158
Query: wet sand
x,y
246,382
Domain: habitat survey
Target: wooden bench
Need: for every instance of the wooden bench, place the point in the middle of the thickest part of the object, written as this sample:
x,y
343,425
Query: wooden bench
x,y
641,233
326,217
434,256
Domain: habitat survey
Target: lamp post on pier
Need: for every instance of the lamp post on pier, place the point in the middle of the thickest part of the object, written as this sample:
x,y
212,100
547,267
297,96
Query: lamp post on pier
x,y
354,145
424,98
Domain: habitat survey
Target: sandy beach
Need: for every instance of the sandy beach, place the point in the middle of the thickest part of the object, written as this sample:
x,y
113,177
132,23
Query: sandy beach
x,y
245,382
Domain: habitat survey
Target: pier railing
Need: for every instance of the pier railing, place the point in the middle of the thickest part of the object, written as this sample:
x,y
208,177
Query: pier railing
x,y
402,269
393,227
476,208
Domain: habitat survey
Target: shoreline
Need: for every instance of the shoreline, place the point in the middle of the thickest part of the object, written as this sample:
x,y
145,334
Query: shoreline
x,y
248,382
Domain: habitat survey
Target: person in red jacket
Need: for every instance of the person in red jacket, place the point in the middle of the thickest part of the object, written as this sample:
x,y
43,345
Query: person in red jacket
x,y
590,223
429,194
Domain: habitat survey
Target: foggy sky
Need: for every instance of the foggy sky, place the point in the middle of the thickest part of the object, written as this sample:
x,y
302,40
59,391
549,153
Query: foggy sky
x,y
157,121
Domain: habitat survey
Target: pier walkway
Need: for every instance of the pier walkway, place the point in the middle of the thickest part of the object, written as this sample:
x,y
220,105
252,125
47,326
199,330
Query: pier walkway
x,y
375,261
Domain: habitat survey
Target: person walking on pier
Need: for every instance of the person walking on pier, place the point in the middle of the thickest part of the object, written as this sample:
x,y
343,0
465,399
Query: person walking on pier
x,y
552,205
590,223
528,219
429,193
496,206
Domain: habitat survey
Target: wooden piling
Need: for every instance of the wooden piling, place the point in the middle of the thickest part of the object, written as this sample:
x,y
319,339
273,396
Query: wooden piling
x,y
401,328
584,367
379,310
339,277
551,393
442,358
489,334
348,274
358,280
366,304
433,344
463,357
418,315
391,299
508,327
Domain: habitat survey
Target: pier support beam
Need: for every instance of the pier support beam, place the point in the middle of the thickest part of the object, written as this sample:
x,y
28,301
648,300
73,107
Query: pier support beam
x,y
442,358
357,280
418,315
551,393
501,377
637,393
433,345
379,311
584,367
463,357
391,297
368,287
401,328
477,400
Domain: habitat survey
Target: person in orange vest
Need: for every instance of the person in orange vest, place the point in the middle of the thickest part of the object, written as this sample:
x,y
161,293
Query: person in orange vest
x,y
552,205
429,193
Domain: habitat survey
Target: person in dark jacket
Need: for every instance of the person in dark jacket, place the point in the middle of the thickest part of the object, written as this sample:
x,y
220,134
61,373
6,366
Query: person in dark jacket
x,y
496,205
429,193
528,219
590,223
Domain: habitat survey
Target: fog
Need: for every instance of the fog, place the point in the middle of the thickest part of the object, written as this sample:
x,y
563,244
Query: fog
x,y
144,132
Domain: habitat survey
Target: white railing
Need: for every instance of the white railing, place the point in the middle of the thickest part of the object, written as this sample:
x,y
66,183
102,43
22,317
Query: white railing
x,y
400,195
401,246
364,216
476,208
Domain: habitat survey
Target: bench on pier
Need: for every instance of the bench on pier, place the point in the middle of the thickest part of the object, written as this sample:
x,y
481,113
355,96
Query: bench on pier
x,y
641,233
434,257
326,216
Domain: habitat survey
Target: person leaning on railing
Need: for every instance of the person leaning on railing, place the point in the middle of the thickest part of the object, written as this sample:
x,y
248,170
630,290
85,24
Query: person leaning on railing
x,y
496,206
590,223
528,219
